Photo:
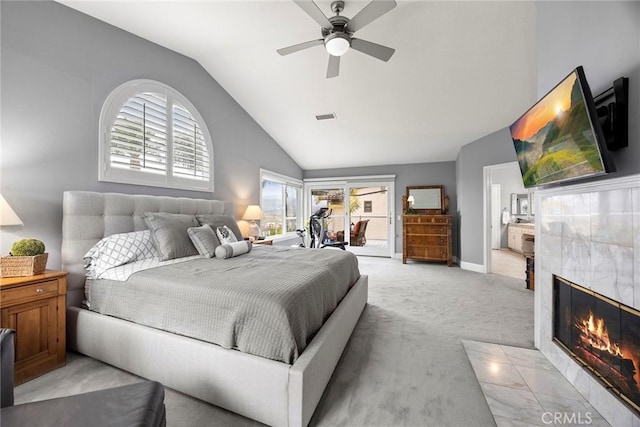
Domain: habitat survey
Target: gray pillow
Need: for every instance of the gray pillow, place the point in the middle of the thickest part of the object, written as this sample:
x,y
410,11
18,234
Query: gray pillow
x,y
217,220
204,239
169,234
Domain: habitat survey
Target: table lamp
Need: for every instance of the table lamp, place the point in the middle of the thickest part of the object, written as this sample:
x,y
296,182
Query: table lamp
x,y
253,214
7,215
410,200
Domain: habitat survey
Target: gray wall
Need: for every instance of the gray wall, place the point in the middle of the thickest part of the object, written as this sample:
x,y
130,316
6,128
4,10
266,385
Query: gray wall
x,y
603,37
439,173
492,149
58,66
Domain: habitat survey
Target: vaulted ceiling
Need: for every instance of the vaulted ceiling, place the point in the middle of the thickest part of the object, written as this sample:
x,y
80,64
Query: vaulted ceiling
x,y
461,70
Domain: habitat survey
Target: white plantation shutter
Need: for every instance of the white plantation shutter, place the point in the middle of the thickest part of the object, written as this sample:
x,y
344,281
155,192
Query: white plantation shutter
x,y
152,135
190,154
139,134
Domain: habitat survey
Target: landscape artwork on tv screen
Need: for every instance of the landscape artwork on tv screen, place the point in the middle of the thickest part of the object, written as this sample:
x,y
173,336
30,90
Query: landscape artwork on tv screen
x,y
556,140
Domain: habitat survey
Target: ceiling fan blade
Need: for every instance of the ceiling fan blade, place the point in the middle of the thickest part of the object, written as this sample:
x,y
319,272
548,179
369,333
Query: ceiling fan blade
x,y
301,46
314,11
334,66
370,13
383,53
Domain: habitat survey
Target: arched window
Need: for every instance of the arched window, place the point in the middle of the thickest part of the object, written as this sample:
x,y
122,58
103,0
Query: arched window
x,y
150,134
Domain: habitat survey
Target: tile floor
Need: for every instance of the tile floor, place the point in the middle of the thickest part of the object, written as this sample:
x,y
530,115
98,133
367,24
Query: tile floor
x,y
523,388
508,263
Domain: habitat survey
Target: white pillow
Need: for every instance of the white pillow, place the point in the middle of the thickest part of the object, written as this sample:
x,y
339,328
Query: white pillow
x,y
119,249
228,250
225,235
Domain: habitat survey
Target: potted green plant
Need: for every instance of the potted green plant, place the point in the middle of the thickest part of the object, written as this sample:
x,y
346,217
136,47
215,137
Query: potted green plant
x,y
27,258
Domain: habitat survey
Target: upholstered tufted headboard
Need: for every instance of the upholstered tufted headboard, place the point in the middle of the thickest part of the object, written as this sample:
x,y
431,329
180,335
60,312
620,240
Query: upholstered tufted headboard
x,y
90,216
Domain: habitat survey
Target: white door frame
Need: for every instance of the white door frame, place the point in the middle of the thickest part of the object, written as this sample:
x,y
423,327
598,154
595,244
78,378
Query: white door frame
x,y
495,217
486,211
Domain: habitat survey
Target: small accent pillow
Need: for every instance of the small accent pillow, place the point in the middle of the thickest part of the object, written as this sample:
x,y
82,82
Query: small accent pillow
x,y
225,235
169,234
119,249
219,220
204,239
228,250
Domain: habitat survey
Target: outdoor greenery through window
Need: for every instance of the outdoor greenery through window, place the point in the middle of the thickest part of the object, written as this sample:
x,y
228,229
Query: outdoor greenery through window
x,y
280,201
152,135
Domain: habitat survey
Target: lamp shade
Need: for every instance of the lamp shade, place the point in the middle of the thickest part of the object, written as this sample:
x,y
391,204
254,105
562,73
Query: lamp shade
x,y
411,199
253,213
8,215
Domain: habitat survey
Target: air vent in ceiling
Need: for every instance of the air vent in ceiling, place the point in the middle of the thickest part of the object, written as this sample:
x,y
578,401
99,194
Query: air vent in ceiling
x,y
329,116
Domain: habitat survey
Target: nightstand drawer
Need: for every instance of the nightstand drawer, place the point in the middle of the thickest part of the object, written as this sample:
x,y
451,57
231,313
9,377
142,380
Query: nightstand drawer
x,y
30,292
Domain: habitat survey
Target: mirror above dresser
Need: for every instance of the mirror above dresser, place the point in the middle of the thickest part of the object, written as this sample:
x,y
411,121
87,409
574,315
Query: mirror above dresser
x,y
426,199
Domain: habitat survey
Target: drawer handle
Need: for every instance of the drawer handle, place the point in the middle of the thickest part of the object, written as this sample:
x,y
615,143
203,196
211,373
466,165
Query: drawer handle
x,y
39,291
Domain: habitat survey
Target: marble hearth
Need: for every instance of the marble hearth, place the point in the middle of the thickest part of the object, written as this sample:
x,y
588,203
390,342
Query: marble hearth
x,y
588,234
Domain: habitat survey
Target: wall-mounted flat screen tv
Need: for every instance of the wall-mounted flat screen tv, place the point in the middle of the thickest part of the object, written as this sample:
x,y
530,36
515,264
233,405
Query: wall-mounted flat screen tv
x,y
559,138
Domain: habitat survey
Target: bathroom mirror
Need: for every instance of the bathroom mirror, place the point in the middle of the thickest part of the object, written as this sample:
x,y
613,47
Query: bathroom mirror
x,y
520,204
426,199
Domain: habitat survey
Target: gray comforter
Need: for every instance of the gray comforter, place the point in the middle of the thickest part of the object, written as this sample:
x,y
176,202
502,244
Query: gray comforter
x,y
269,302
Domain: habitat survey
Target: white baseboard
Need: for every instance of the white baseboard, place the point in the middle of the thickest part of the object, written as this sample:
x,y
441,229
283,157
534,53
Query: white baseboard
x,y
478,268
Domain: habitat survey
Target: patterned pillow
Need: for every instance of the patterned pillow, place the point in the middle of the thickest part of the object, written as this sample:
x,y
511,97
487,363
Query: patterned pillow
x,y
204,239
169,234
119,249
228,250
225,235
218,220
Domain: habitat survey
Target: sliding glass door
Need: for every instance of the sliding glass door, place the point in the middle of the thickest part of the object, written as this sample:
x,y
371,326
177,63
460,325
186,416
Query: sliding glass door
x,y
369,219
362,213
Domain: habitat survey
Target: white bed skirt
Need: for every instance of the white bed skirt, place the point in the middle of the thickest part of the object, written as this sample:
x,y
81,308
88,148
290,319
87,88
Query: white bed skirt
x,y
271,392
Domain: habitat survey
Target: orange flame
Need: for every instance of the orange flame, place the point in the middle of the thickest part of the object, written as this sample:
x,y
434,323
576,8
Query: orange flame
x,y
595,333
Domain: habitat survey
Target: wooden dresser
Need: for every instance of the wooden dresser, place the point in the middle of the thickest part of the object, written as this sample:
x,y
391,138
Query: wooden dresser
x,y
426,237
35,307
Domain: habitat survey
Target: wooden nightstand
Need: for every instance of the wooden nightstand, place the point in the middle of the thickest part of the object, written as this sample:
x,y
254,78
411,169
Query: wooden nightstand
x,y
263,242
35,306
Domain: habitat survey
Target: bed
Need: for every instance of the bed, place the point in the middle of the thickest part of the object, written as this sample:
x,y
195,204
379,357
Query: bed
x,y
270,391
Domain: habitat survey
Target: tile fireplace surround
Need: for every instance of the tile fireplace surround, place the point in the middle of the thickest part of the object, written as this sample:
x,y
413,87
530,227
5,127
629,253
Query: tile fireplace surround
x,y
588,234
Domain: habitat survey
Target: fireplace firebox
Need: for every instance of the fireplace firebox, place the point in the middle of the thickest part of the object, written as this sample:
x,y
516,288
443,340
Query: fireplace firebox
x,y
602,335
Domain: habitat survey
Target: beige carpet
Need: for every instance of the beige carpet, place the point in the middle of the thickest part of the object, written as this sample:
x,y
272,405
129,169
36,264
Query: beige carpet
x,y
405,364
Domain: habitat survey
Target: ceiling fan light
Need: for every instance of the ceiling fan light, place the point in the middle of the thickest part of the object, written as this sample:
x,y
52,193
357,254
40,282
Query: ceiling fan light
x,y
337,44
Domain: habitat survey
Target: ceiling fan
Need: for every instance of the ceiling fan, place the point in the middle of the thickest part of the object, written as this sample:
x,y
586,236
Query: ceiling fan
x,y
338,31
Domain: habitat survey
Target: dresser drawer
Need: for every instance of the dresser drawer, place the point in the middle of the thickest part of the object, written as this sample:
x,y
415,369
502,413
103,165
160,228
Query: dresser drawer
x,y
37,290
414,240
426,219
427,229
431,252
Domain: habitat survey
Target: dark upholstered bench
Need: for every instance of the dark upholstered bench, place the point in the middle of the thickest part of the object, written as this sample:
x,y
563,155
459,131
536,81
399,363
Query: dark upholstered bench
x,y
135,405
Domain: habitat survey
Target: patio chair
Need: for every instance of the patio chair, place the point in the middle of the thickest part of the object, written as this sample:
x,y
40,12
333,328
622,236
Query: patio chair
x,y
357,233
